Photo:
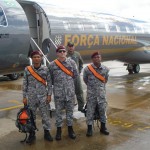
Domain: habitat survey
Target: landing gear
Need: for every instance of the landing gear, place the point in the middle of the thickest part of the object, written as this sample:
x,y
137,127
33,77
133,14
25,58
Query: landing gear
x,y
133,68
136,68
13,76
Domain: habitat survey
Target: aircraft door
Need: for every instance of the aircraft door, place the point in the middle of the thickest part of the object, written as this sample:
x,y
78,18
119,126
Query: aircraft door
x,y
34,21
39,25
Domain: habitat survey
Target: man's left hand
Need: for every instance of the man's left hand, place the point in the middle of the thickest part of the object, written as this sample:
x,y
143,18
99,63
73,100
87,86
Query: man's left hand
x,y
48,99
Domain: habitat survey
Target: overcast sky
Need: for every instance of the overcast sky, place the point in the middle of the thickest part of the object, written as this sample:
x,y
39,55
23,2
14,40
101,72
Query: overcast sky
x,y
138,9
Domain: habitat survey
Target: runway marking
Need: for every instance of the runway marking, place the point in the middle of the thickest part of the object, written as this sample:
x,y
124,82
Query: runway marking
x,y
9,108
121,123
128,125
144,128
115,122
14,101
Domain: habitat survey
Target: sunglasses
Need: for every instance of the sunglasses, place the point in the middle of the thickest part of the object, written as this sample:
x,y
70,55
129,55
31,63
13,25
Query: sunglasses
x,y
70,45
61,51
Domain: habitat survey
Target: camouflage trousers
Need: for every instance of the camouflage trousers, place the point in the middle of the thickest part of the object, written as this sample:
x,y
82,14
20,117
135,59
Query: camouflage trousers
x,y
79,93
68,105
40,103
91,105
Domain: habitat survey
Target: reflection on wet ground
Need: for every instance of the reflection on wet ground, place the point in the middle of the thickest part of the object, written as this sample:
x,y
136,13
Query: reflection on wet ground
x,y
128,117
10,85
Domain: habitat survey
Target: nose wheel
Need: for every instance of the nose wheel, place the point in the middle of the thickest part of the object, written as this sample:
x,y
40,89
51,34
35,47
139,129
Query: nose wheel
x,y
13,76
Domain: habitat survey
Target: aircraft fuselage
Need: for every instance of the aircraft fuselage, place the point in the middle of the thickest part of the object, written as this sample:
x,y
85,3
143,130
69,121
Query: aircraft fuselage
x,y
114,37
14,38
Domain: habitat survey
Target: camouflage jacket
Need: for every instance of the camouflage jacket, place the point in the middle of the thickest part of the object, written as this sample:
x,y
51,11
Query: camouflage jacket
x,y
32,86
95,87
63,84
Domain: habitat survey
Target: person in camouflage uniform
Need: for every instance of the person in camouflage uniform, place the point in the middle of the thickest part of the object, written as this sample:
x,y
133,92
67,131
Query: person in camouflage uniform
x,y
96,93
77,82
63,88
38,95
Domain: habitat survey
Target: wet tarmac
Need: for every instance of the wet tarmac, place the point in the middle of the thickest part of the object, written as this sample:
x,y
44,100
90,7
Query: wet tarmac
x,y
128,116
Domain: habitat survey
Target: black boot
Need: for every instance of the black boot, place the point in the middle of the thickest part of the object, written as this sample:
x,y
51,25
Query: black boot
x,y
58,134
47,135
103,129
31,137
89,131
71,132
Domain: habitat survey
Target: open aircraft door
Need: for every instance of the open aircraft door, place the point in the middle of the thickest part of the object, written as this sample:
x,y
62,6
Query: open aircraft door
x,y
39,26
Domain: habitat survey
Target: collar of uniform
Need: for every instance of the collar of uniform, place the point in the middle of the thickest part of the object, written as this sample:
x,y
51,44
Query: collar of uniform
x,y
70,54
63,61
36,68
96,67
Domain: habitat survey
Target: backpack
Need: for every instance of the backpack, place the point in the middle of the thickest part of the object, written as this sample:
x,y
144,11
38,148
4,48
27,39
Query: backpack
x,y
96,113
25,121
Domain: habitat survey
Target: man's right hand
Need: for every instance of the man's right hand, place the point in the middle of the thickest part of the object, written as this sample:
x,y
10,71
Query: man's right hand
x,y
25,101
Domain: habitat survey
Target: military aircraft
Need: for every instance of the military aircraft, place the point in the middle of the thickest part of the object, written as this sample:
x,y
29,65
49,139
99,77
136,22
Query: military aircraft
x,y
26,22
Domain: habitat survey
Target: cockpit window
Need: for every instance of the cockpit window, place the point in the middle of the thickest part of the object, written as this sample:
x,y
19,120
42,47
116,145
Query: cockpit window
x,y
3,21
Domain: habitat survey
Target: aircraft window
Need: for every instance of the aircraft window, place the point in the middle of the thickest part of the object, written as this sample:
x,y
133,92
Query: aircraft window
x,y
118,28
3,21
88,26
123,28
81,27
112,28
127,29
138,29
130,29
107,27
66,25
101,27
76,26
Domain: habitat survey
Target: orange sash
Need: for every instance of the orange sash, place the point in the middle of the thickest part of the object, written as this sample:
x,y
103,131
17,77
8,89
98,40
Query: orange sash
x,y
63,68
35,75
96,74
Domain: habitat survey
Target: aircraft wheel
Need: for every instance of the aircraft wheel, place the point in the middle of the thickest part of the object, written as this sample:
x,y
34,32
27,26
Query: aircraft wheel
x,y
13,76
136,68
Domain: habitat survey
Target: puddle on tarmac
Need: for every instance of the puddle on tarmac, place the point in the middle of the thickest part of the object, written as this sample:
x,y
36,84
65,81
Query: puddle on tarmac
x,y
11,87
